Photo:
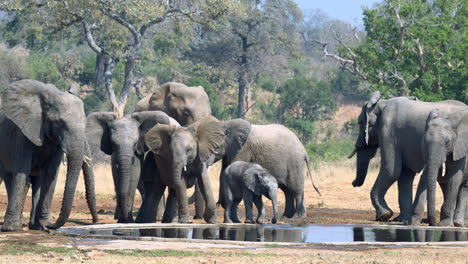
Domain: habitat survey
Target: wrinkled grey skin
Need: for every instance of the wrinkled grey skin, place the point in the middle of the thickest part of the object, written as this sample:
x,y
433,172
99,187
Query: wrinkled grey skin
x,y
124,139
274,147
445,141
186,105
247,181
181,155
38,124
396,126
183,103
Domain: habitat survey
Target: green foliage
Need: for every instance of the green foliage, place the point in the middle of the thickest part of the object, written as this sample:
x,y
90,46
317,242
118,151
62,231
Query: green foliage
x,y
331,150
305,99
428,53
43,68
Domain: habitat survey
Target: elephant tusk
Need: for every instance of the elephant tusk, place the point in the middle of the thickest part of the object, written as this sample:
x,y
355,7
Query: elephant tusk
x,y
185,168
352,154
87,161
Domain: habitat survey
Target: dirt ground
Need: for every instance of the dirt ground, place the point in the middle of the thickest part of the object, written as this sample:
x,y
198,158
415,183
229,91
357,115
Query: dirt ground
x,y
340,203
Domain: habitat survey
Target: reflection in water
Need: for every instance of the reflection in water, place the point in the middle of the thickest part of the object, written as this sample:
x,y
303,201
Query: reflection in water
x,y
308,234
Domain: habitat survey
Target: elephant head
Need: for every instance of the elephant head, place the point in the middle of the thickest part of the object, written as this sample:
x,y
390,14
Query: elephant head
x,y
182,153
123,138
260,182
367,141
47,116
445,135
183,103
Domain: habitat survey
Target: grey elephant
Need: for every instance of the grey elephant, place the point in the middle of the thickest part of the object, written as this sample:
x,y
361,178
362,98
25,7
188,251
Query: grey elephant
x,y
247,181
181,155
38,125
396,126
123,138
274,147
187,105
445,141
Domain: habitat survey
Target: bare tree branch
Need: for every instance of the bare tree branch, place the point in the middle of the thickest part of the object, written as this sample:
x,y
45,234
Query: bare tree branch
x,y
120,20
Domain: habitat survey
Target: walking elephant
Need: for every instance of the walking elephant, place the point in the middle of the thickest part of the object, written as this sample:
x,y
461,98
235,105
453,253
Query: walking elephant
x,y
445,141
124,139
396,126
247,181
38,125
186,104
274,147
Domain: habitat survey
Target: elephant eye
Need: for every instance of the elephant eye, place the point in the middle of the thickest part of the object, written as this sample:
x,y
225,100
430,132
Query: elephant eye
x,y
186,113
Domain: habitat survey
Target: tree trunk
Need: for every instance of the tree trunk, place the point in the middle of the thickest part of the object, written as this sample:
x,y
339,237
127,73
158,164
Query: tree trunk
x,y
243,78
101,60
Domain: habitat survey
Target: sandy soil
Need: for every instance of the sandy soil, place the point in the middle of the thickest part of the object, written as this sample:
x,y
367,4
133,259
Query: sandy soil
x,y
340,203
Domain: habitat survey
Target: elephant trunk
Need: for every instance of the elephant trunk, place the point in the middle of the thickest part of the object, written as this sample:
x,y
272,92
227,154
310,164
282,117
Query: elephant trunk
x,y
434,162
274,202
88,174
364,157
124,162
75,156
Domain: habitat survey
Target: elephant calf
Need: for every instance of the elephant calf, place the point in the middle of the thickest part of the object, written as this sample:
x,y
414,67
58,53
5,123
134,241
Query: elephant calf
x,y
247,181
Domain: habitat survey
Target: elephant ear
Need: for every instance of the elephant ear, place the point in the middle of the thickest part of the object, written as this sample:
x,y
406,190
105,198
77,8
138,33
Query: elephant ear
x,y
460,148
209,132
98,132
236,133
251,181
371,117
22,103
147,120
158,139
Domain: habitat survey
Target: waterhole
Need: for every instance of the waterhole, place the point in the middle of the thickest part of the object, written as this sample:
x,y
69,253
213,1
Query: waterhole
x,y
283,233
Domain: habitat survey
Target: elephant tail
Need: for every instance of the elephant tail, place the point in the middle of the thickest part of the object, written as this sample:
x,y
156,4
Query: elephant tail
x,y
310,175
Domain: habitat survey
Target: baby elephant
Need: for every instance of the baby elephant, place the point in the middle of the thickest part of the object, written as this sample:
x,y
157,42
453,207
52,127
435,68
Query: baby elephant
x,y
248,181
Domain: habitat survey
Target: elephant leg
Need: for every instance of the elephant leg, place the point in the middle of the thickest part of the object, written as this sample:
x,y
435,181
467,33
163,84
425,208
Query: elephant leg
x,y
36,192
154,193
300,208
206,190
235,205
171,205
228,200
454,179
48,180
405,196
381,185
115,173
260,209
248,199
462,201
22,169
199,202
289,205
420,200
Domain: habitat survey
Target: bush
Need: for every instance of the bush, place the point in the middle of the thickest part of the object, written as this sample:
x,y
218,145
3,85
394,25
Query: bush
x,y
332,150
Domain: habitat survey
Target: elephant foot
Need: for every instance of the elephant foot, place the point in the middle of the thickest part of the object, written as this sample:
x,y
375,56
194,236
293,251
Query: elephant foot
x,y
446,222
211,217
197,216
415,220
40,226
274,221
260,221
184,220
10,226
402,219
236,220
459,222
249,221
383,217
227,221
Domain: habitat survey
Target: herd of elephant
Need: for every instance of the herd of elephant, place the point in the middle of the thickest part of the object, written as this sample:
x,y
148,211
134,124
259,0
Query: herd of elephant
x,y
171,140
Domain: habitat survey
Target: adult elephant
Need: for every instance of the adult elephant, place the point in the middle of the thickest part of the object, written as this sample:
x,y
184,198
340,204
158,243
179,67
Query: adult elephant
x,y
123,138
38,124
274,147
445,141
396,126
186,104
